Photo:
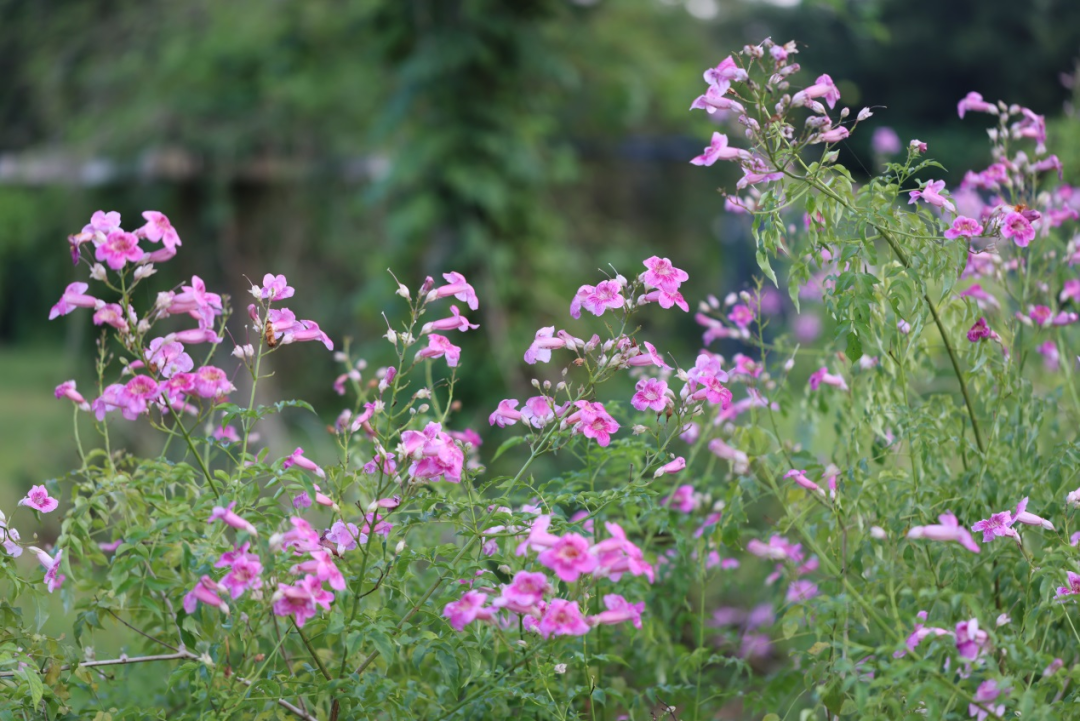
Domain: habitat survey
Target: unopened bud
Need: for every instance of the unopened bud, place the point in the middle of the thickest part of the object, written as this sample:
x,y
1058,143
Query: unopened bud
x,y
97,272
399,548
403,291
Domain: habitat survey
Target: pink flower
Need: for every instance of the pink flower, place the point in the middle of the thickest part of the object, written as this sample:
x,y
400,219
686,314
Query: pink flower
x,y
741,315
136,395
457,287
597,299
647,357
439,346
1073,587
662,275
467,609
682,499
118,249
619,610
971,640
206,591
833,135
168,358
321,566
307,330
802,480
158,228
543,343
102,222
245,571
705,381
666,300
525,592
718,148
917,146
539,539
652,393
985,696
822,375
211,382
301,599
538,411
274,288
593,421
801,590
726,72
948,530
980,331
966,227
823,87
974,102
569,557
757,171
38,498
562,618
998,525
617,555
505,415
919,634
67,390
296,458
885,141
111,314
671,467
456,321
778,549
1017,227
74,297
931,193
982,298
345,536
230,518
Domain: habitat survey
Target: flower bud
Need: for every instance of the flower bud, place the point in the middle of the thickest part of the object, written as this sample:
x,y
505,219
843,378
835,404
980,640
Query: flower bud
x,y
403,291
399,548
97,272
144,271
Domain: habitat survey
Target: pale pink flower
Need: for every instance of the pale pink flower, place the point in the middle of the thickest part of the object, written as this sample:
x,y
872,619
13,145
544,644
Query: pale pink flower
x,y
102,222
985,696
983,299
562,618
308,330
593,421
823,87
974,102
539,538
67,390
919,634
662,275
1021,515
39,499
802,480
456,321
74,297
647,357
439,346
671,467
801,590
245,571
917,145
211,382
111,314
1017,227
524,593
274,288
467,609
505,415
1073,587
931,193
705,381
206,591
543,343
949,529
457,287
832,135
297,458
168,358
301,600
778,549
716,98
617,555
345,536
652,394
822,375
119,248
1055,665
538,411
718,149
683,499
9,538
597,299
569,557
619,610
726,72
230,518
666,300
964,227
321,565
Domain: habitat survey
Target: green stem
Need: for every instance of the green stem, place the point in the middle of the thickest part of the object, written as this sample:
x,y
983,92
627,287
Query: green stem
x,y
311,651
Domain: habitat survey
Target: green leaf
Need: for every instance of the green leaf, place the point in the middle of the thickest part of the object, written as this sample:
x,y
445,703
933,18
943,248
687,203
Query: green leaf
x,y
854,348
507,445
37,689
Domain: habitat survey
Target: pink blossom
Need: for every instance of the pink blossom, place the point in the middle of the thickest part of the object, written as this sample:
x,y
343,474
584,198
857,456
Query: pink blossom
x,y
456,321
982,298
617,555
1017,227
10,538
467,609
136,395
543,343
741,315
1022,515
538,411
158,228
619,610
671,467
321,566
569,557
823,87
118,248
274,288
593,421
206,591
757,171
1031,126
931,193
302,538
102,222
74,297
974,102
108,401
38,498
705,381
647,357
297,458
1073,587
525,593
778,548
966,227
998,525
822,375
739,460
666,300
562,618
662,275
597,299
948,530
917,146
718,148
682,499
919,634
802,480
971,640
726,72
168,358
716,98
111,314
211,382
652,393
801,590
230,518
457,287
301,600
439,346
345,536
245,571
67,390
1070,291
505,415
1051,357
985,696
981,331
539,539
309,330
832,135
885,141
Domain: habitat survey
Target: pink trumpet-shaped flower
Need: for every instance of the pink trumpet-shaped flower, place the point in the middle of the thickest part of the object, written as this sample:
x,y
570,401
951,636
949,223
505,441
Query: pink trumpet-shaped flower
x,y
230,518
974,102
985,695
562,618
118,249
919,634
525,593
652,394
301,600
662,275
1021,515
971,640
206,591
569,557
1073,587
949,529
1017,227
53,578
683,499
457,287
297,458
822,375
963,227
39,499
719,150
671,467
717,98
74,297
542,345
505,415
802,480
456,321
726,72
823,87
67,390
274,288
619,610
158,228
467,609
931,193
597,299
439,346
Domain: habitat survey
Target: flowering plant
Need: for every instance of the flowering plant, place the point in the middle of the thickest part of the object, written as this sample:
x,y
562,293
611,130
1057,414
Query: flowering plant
x,y
793,527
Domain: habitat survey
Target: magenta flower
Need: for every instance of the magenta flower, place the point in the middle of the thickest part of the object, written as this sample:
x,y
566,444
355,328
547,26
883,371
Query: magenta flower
x,y
652,394
439,346
525,593
778,549
302,538
137,395
206,591
981,331
982,298
971,640
539,538
345,536
158,228
74,297
998,525
885,141
467,609
457,287
1073,587
917,145
1017,227
211,382
456,321
301,600
321,565
244,574
716,98
113,315
543,343
617,555
67,390
38,498
505,415
931,193
593,421
949,529
230,518
823,87
705,381
597,299
102,222
274,288
822,375
832,135
985,696
741,315
801,590
296,458
647,357
662,275
966,227
562,618
974,102
671,467
538,412
118,249
919,634
726,72
802,480
619,610
718,149
569,558
666,300
1021,515
682,499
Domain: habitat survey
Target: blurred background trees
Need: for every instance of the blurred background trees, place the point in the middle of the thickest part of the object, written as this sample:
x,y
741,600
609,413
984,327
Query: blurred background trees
x,y
523,143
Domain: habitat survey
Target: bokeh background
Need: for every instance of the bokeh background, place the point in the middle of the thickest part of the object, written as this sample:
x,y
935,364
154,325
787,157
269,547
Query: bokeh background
x,y
525,143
